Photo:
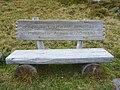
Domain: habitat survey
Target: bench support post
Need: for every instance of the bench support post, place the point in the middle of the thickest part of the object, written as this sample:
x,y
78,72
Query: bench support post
x,y
79,44
39,42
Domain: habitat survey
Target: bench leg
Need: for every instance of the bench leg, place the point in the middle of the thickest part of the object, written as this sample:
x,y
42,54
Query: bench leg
x,y
25,71
92,69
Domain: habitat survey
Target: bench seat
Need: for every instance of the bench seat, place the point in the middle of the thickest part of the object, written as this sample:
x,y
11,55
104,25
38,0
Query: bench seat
x,y
59,56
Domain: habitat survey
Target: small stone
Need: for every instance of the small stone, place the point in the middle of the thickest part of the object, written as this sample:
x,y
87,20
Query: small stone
x,y
61,77
97,0
116,83
0,56
118,11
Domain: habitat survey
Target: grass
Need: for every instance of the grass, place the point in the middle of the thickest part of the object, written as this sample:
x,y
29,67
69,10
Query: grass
x,y
59,77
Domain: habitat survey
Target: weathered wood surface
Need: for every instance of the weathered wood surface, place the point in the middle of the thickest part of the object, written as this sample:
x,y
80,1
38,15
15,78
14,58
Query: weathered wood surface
x,y
59,56
92,68
79,44
60,29
25,71
116,82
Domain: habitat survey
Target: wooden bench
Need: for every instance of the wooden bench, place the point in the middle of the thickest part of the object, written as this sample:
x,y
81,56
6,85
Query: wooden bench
x,y
79,30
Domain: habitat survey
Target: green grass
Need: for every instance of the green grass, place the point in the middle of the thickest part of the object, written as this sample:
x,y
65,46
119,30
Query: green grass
x,y
59,77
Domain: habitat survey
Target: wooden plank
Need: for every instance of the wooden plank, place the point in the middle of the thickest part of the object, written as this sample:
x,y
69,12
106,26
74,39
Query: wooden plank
x,y
59,56
61,35
50,24
60,30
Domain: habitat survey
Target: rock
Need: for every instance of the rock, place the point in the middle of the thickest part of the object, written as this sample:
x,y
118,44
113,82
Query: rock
x,y
116,83
97,0
0,56
94,1
118,11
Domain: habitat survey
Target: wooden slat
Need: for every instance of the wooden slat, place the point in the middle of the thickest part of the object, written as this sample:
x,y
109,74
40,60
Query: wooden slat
x,y
60,30
59,56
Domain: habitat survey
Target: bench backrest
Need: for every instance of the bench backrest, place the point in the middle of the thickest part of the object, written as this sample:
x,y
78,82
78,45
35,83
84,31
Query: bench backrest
x,y
60,29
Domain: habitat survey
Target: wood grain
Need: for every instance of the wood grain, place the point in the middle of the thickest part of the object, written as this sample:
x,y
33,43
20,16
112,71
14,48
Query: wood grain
x,y
60,29
59,56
